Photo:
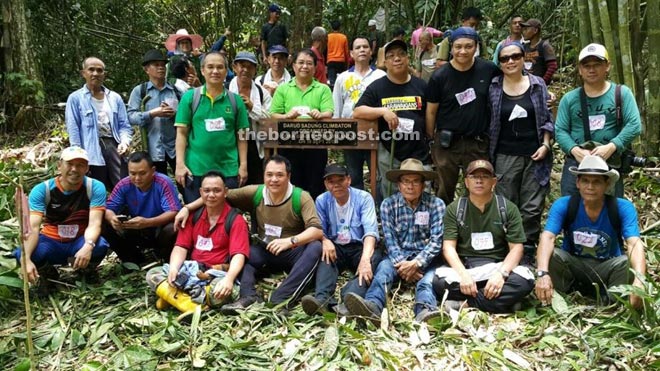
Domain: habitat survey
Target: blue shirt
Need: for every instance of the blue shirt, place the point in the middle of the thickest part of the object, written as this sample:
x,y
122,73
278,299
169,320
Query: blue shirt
x,y
82,125
594,239
407,234
160,198
160,130
362,222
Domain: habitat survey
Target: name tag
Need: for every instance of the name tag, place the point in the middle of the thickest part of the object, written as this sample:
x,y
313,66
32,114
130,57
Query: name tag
x,y
67,231
422,218
215,124
428,62
273,230
585,239
466,96
528,65
482,241
405,125
302,110
204,244
596,122
517,113
344,236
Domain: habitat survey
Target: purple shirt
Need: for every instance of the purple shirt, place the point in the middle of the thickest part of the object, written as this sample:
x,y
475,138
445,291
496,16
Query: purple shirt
x,y
160,198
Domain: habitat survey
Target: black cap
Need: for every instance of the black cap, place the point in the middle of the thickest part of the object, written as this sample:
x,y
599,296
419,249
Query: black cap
x,y
153,55
396,43
335,169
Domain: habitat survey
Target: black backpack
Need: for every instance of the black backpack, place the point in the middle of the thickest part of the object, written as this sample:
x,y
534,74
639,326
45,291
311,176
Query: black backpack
x,y
501,208
612,213
229,221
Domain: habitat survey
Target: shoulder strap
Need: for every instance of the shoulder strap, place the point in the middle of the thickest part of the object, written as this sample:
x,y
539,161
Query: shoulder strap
x,y
232,101
198,214
618,102
263,77
261,93
143,90
89,185
295,201
256,200
46,196
613,214
585,115
571,213
177,92
460,212
229,221
197,96
501,208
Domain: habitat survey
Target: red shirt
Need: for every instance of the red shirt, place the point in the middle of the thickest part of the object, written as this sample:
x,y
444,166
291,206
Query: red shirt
x,y
321,74
212,245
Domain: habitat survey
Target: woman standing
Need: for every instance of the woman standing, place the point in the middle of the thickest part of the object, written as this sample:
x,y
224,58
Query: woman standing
x,y
521,132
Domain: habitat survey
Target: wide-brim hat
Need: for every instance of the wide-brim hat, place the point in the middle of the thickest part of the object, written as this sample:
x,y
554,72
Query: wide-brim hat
x,y
594,165
153,55
410,166
182,33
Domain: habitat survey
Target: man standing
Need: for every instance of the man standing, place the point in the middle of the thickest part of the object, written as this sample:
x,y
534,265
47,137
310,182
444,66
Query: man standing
x,y
277,74
596,226
319,42
613,122
208,123
273,32
414,38
140,212
152,107
483,245
337,52
350,234
397,102
412,225
457,116
540,59
471,18
257,100
348,89
70,206
515,34
96,121
425,57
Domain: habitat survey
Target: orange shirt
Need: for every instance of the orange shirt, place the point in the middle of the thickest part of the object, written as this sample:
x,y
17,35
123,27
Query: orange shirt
x,y
337,47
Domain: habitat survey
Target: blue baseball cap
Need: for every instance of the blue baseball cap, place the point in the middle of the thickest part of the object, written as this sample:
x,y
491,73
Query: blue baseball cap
x,y
274,8
278,49
246,56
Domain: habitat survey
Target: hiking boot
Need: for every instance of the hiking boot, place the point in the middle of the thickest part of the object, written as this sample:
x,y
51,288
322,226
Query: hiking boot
x,y
341,310
238,306
426,314
312,305
360,307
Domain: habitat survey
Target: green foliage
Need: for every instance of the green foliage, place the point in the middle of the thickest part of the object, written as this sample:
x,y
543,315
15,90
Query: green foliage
x,y
22,90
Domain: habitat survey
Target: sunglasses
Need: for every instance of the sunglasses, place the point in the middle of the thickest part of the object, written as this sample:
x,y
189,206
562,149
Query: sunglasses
x,y
506,58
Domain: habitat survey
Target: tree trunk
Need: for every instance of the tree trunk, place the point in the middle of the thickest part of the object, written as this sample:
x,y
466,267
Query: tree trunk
x,y
584,23
651,129
16,42
596,35
637,40
624,44
608,36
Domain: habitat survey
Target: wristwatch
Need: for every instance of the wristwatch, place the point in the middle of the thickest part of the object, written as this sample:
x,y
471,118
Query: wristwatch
x,y
419,263
540,274
91,243
504,273
294,241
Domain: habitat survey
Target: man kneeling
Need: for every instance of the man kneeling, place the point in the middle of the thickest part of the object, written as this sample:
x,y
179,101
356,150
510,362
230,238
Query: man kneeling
x,y
483,247
218,238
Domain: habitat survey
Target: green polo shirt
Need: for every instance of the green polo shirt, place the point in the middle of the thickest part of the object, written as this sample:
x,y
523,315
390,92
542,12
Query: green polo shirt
x,y
212,141
479,225
288,95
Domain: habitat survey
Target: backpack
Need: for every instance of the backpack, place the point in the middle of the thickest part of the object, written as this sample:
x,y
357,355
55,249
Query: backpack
x,y
88,186
612,213
229,221
197,96
501,207
259,196
143,91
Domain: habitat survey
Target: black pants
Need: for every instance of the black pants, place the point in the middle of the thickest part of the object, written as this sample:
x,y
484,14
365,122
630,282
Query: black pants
x,y
307,166
131,245
255,165
334,69
115,167
161,166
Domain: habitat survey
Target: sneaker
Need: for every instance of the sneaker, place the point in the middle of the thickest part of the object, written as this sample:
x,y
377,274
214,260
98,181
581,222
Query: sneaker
x,y
452,305
341,310
360,307
312,305
426,314
239,305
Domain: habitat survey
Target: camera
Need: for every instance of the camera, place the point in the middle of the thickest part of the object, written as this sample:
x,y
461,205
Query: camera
x,y
629,160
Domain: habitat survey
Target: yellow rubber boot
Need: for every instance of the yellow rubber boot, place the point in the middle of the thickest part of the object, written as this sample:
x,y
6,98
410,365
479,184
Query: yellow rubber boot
x,y
175,297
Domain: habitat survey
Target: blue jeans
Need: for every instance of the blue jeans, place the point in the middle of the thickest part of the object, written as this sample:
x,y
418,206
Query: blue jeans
x,y
568,180
51,251
386,275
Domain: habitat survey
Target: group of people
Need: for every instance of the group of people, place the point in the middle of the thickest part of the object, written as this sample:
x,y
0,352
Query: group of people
x,y
313,220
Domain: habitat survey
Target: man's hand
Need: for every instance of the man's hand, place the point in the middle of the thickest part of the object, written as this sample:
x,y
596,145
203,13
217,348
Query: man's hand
x,y
605,151
181,218
137,222
162,111
315,114
329,254
171,276
540,153
579,153
364,272
242,174
544,289
83,256
292,114
408,270
494,286
248,102
279,245
635,300
182,172
122,148
116,224
223,288
31,271
551,98
392,119
468,286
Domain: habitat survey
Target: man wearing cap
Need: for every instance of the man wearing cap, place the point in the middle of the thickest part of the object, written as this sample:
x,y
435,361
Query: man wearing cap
x,y
397,101
458,116
257,100
209,136
140,211
350,234
483,245
515,34
152,106
277,74
596,226
184,45
413,229
70,207
540,59
609,133
96,121
471,17
273,32
348,89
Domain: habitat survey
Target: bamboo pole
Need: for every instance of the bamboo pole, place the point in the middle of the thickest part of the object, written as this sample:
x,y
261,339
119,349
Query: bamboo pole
x,y
624,44
596,35
584,23
615,69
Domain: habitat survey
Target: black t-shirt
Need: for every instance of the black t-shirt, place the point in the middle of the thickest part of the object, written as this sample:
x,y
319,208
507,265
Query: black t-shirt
x,y
407,101
274,34
518,137
462,97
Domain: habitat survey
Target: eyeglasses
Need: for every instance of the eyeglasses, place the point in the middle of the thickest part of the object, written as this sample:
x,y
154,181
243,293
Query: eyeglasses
x,y
506,58
302,63
479,177
400,54
408,182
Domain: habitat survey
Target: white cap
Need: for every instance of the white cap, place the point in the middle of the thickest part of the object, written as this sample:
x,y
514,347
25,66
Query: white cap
x,y
74,152
594,50
372,22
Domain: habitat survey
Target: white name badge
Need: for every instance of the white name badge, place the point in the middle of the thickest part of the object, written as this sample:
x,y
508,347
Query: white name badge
x,y
405,125
466,96
67,231
302,110
428,62
528,65
517,113
596,122
585,239
204,244
215,124
482,241
273,230
422,218
344,236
